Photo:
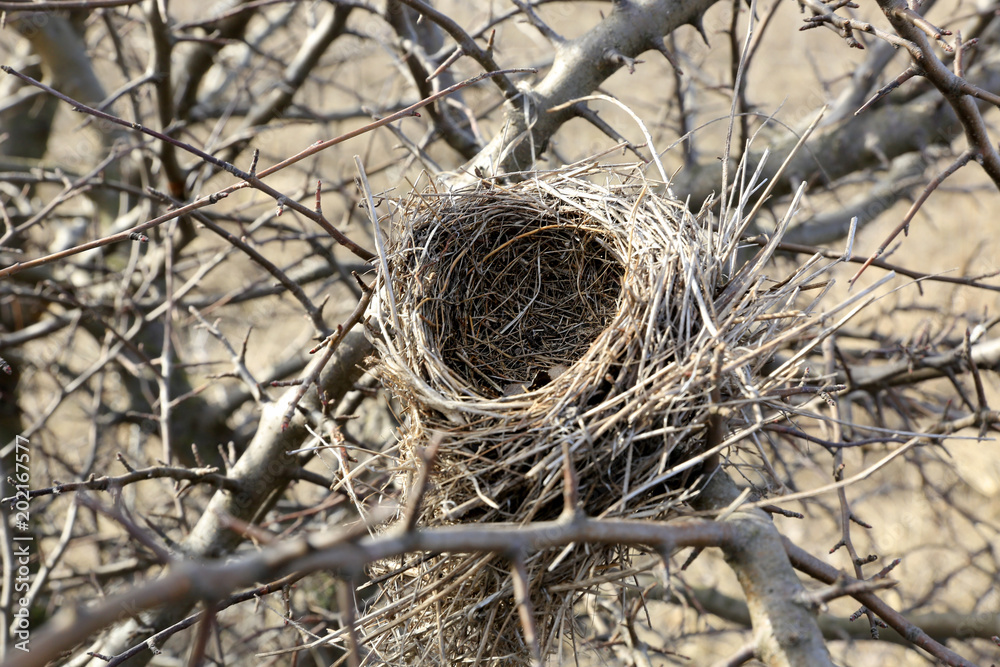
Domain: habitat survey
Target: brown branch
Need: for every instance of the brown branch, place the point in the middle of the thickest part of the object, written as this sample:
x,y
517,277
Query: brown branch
x,y
824,14
193,580
592,117
981,403
194,475
918,21
17,267
904,225
846,514
829,444
912,27
901,270
329,346
809,564
907,74
571,483
57,5
160,67
403,113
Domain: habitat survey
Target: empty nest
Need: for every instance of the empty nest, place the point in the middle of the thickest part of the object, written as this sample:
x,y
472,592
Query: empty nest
x,y
583,307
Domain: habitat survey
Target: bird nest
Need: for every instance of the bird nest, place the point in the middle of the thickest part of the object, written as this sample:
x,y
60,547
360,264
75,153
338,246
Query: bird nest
x,y
583,310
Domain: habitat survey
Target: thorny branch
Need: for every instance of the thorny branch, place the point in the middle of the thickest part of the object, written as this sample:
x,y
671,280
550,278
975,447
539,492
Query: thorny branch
x,y
131,302
248,179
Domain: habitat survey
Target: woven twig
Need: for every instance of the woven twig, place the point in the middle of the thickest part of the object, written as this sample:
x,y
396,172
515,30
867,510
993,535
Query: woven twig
x,y
557,310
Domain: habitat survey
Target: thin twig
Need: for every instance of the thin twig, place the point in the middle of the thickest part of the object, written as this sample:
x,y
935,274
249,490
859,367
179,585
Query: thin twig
x,y
194,475
328,349
522,598
904,226
468,46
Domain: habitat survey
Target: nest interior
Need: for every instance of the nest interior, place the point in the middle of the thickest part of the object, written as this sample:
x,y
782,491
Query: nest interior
x,y
577,309
528,290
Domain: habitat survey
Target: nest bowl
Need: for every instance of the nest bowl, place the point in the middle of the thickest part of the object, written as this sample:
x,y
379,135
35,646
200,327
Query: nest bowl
x,y
582,310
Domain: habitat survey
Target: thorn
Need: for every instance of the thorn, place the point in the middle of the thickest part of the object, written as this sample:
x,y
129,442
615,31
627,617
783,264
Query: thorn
x,y
698,23
458,53
361,283
616,57
887,569
253,162
661,46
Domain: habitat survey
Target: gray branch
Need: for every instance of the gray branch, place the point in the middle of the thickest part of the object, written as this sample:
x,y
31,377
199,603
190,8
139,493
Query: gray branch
x,y
580,66
262,473
785,631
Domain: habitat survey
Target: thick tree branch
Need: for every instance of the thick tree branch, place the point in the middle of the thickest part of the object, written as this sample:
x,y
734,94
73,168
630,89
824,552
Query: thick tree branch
x,y
785,630
912,369
940,626
580,66
344,552
857,143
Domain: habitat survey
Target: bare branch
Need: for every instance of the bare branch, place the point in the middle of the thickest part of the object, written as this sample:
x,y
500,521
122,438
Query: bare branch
x,y
816,568
468,46
579,68
194,475
785,632
189,581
